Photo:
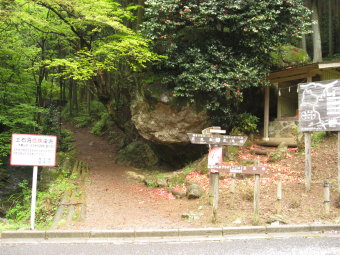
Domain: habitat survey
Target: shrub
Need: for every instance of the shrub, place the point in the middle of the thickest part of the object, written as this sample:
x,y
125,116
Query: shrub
x,y
245,123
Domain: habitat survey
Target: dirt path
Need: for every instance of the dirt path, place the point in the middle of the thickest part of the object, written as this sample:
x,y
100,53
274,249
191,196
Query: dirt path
x,y
113,201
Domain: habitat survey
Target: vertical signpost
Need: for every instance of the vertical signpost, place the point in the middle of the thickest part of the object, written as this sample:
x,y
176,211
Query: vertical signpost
x,y
33,150
212,137
319,110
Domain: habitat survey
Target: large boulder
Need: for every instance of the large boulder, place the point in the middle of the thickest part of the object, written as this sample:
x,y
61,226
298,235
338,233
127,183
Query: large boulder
x,y
167,124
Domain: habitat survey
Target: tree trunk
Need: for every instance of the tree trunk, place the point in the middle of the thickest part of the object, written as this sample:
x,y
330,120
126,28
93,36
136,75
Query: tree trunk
x,y
330,29
70,97
304,43
337,25
317,50
140,12
75,97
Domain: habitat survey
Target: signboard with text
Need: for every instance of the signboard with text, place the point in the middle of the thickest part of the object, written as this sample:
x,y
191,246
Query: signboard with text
x,y
33,150
238,169
217,139
319,106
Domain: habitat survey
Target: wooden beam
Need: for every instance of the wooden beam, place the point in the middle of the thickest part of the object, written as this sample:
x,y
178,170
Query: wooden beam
x,y
328,65
292,71
289,78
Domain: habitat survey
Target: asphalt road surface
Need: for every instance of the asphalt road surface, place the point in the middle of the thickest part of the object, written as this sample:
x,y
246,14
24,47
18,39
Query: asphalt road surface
x,y
309,246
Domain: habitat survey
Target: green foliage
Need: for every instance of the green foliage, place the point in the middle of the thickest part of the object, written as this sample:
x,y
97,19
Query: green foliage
x,y
217,48
288,55
50,123
65,142
47,201
81,121
100,126
245,123
317,137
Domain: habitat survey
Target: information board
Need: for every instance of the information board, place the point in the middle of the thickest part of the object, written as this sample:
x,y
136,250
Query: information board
x,y
217,139
319,106
33,150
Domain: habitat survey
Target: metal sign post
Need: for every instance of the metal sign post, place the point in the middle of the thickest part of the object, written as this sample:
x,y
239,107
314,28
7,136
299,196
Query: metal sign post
x,y
34,195
33,150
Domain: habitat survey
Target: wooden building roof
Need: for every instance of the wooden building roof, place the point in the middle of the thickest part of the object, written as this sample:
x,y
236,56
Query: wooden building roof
x,y
300,72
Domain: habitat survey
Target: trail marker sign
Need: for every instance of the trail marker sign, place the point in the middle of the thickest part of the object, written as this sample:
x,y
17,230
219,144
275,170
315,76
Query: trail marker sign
x,y
239,169
217,139
33,150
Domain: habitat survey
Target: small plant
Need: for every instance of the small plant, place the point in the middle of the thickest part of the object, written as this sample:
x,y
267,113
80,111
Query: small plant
x,y
317,137
99,126
256,220
248,193
294,204
82,121
245,123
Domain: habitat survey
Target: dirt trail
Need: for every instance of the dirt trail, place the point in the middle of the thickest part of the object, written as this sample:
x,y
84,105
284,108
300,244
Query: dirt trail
x,y
113,201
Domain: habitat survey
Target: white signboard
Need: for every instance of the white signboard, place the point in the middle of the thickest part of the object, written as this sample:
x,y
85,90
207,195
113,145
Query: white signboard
x,y
319,106
33,150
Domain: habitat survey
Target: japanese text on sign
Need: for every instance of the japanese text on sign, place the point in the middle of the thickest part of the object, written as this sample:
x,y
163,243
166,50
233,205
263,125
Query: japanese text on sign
x,y
33,150
239,169
217,139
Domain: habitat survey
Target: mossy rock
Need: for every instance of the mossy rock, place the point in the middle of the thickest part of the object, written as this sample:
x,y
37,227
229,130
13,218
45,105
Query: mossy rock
x,y
137,154
288,55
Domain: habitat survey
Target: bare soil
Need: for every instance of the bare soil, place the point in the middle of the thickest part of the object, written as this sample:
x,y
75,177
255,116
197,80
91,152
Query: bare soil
x,y
115,202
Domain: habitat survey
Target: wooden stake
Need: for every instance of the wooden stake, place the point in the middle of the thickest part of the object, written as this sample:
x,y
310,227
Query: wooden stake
x,y
211,189
256,193
232,183
308,161
279,196
215,185
326,197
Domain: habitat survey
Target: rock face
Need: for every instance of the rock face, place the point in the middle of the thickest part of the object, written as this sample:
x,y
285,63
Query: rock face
x,y
137,154
164,124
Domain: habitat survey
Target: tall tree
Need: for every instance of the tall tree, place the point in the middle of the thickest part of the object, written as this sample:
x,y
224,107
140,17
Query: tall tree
x,y
317,49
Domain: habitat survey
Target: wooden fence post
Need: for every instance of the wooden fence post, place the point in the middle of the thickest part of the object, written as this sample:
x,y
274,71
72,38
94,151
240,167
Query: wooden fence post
x,y
326,197
232,183
308,161
256,193
279,196
215,185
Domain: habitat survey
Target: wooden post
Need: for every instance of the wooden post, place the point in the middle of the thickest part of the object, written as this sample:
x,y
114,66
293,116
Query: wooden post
x,y
211,189
338,161
256,193
279,196
266,113
308,161
326,197
232,183
215,185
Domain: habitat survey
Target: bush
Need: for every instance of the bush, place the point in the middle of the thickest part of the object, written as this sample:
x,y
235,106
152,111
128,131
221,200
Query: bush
x,y
82,121
317,137
245,123
99,127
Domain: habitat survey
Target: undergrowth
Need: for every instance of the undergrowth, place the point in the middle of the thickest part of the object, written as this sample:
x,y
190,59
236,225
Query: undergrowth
x,y
18,216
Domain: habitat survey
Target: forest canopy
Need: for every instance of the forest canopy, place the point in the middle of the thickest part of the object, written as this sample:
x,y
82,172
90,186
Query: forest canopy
x,y
215,48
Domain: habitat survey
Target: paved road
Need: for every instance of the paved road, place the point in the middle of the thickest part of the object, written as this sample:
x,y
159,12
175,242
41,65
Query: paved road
x,y
309,246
